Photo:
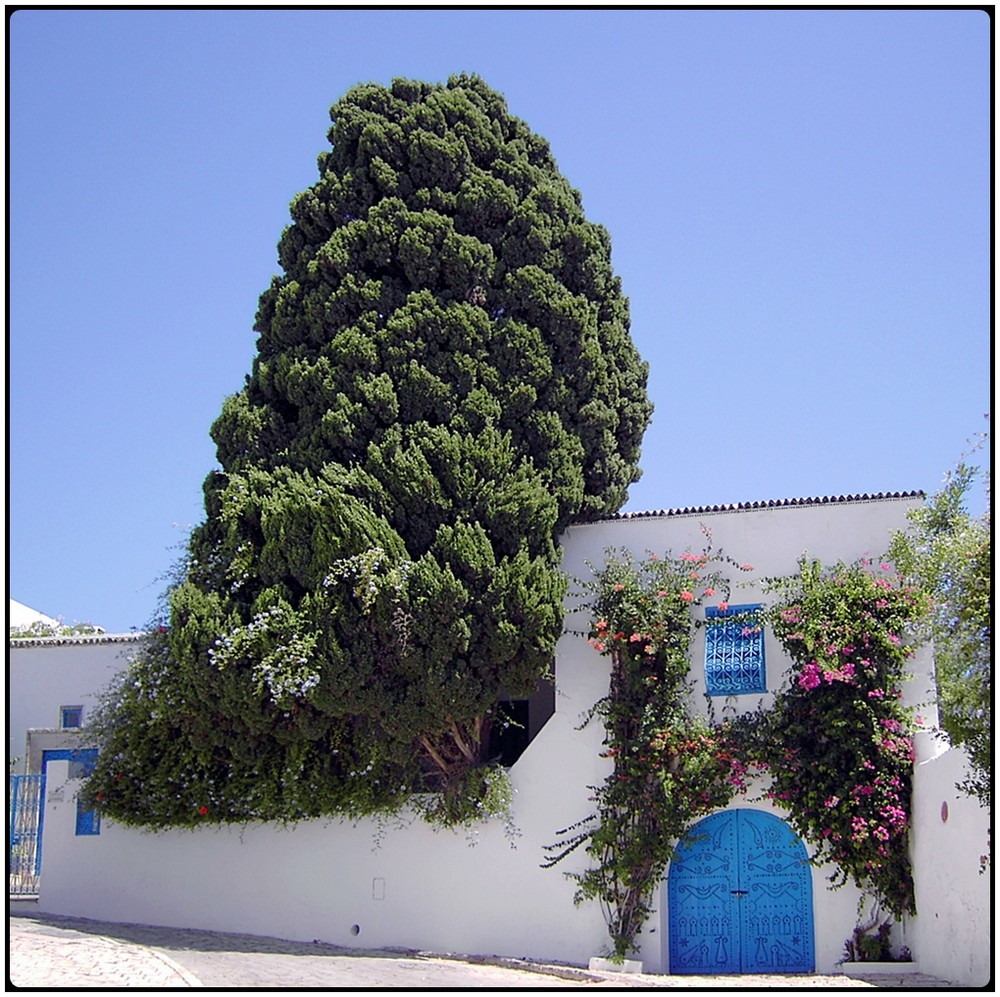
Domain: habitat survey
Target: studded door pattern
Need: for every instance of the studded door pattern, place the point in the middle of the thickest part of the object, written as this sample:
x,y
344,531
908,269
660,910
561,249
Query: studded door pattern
x,y
740,898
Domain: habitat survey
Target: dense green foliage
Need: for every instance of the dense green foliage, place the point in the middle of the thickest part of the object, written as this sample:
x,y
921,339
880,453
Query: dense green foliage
x,y
444,381
950,553
670,765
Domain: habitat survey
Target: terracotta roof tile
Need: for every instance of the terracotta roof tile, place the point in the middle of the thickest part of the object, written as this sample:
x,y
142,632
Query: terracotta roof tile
x,y
767,504
102,638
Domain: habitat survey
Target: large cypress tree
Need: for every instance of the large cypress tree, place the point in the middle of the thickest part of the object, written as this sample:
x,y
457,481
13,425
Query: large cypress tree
x,y
444,381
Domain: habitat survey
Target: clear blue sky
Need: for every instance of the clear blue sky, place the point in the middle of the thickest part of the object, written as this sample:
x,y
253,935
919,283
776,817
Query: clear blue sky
x,y
798,201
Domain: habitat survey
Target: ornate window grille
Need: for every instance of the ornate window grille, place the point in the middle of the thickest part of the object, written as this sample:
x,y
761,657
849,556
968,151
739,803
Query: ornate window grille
x,y
734,651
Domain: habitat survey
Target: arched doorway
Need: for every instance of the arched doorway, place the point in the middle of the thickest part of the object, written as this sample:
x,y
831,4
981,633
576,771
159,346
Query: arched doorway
x,y
739,891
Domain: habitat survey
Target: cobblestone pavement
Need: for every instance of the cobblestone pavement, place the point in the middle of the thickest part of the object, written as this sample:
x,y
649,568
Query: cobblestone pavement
x,y
46,951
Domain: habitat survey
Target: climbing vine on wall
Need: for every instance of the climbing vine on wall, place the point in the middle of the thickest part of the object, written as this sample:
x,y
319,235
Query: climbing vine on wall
x,y
835,750
838,743
669,765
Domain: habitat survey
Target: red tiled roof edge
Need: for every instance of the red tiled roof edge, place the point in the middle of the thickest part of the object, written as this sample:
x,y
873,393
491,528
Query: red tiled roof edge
x,y
75,639
765,504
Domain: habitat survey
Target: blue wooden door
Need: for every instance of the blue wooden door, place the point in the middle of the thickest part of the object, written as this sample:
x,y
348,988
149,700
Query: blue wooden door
x,y
740,897
704,920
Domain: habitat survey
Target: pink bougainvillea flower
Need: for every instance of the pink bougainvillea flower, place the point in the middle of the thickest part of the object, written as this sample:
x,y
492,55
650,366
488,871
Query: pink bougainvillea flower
x,y
687,596
810,676
746,567
709,591
661,593
618,588
723,606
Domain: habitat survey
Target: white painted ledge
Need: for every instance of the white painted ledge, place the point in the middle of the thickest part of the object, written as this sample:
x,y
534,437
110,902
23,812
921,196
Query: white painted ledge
x,y
599,965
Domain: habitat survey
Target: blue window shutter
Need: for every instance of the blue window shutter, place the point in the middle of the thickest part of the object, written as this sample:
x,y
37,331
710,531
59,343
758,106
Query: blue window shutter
x,y
734,651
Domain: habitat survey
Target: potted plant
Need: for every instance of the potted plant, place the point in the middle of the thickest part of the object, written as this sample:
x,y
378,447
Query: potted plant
x,y
869,950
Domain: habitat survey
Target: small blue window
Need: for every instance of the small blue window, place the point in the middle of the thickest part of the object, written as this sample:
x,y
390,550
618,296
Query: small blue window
x,y
87,821
734,651
71,716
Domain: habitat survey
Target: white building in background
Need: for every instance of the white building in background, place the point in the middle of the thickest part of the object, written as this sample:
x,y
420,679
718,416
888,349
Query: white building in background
x,y
369,885
54,680
21,617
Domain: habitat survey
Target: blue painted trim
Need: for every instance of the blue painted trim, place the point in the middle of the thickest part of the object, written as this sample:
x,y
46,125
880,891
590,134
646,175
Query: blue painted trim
x,y
712,612
87,821
13,804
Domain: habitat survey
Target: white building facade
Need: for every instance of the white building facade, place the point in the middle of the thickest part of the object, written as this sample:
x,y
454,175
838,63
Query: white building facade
x,y
404,884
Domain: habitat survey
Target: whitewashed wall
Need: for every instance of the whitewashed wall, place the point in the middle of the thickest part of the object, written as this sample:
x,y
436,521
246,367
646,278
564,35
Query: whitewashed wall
x,y
48,673
952,935
771,540
419,888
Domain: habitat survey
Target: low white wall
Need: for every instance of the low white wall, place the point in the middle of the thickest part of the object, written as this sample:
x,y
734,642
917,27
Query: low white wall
x,y
417,889
952,934
404,886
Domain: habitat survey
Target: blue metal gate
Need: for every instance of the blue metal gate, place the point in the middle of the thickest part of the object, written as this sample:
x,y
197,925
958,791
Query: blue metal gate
x,y
26,817
24,834
740,897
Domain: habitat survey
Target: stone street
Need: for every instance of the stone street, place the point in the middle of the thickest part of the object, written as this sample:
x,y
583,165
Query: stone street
x,y
47,951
